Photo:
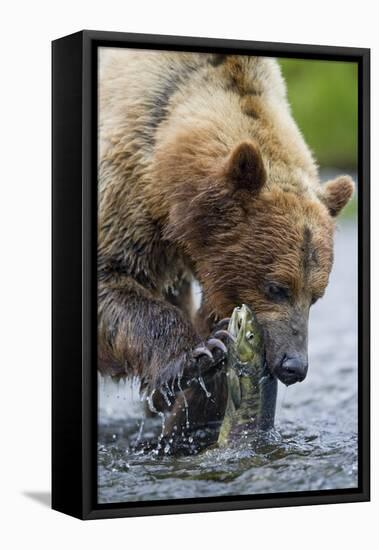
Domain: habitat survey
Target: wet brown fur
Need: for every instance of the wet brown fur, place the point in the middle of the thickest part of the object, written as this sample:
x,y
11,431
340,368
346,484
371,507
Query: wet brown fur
x,y
202,174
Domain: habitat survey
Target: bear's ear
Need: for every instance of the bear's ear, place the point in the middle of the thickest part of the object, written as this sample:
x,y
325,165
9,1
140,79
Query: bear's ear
x,y
336,194
244,168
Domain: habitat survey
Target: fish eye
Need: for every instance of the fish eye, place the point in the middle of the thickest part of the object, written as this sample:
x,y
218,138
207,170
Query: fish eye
x,y
249,336
277,293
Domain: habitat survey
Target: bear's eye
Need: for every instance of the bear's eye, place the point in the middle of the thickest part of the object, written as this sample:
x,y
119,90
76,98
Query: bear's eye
x,y
277,293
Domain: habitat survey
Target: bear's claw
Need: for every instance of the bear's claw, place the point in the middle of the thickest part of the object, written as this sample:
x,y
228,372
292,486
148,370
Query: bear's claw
x,y
212,352
220,333
212,343
202,350
223,323
216,343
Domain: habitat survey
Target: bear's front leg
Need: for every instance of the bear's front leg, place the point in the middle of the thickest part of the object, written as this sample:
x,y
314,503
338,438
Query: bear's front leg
x,y
140,334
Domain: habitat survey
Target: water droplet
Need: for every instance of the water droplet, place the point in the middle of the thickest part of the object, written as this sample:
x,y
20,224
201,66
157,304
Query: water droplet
x,y
165,397
185,401
140,431
202,384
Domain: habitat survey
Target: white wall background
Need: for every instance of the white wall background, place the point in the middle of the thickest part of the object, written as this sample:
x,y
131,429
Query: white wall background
x,y
27,29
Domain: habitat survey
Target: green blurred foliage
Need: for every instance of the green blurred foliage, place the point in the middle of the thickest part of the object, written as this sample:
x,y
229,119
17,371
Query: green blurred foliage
x,y
324,100
350,212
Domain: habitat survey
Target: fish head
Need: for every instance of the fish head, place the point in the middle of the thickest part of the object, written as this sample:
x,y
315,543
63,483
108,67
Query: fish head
x,y
248,344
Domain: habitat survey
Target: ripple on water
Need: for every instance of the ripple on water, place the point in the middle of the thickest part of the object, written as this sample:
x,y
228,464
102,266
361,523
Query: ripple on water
x,y
315,447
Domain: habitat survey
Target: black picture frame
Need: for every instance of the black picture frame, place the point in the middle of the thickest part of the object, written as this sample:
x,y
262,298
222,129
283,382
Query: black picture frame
x,y
74,173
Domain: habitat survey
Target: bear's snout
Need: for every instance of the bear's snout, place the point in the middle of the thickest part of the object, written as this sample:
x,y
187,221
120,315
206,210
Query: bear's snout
x,y
291,370
287,348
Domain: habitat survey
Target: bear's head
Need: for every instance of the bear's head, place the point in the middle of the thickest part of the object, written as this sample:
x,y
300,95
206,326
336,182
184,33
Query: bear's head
x,y
266,245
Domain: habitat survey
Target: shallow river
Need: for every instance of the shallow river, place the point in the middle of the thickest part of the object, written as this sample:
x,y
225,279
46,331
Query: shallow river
x,y
315,444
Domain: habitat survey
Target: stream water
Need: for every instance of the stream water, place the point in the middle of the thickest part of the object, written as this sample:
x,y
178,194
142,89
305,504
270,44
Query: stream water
x,y
314,446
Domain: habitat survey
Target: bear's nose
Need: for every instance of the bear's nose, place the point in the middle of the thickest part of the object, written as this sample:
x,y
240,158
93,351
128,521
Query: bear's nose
x,y
292,369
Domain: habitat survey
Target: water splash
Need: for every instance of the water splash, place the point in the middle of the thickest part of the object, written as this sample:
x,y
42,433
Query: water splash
x,y
149,399
169,390
203,386
140,431
165,396
161,414
184,401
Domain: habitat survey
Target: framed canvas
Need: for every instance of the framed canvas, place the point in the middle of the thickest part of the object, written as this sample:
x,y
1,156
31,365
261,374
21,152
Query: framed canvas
x,y
210,274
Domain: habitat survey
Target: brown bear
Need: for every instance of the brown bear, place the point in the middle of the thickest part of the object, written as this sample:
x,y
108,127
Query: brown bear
x,y
204,175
